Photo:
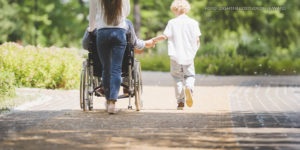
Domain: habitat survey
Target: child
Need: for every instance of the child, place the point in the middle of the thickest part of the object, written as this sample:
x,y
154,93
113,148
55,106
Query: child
x,y
183,35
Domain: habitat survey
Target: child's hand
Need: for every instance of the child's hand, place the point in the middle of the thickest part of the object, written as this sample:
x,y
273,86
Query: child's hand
x,y
159,38
150,43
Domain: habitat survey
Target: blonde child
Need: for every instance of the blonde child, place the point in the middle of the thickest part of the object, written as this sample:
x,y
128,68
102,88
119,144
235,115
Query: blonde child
x,y
183,36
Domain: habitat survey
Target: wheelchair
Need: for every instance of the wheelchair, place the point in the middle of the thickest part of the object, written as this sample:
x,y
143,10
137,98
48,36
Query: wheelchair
x,y
91,77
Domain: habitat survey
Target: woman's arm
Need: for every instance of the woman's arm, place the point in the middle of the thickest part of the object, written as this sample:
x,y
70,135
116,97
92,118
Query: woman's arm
x,y
92,15
137,43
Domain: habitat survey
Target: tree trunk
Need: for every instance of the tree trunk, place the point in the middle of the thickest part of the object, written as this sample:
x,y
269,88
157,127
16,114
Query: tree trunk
x,y
137,17
81,3
82,7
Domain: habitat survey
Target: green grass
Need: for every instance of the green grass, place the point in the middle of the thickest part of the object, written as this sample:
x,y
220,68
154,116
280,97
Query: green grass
x,y
35,67
7,88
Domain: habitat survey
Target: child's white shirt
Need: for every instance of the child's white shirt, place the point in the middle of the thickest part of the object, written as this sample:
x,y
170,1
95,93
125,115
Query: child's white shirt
x,y
183,33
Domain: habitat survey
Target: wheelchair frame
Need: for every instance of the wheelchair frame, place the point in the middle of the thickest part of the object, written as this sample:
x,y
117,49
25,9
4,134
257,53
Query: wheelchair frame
x,y
89,82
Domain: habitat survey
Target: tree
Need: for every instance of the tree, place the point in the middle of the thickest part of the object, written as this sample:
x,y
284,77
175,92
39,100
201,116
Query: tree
x,y
137,17
8,19
60,23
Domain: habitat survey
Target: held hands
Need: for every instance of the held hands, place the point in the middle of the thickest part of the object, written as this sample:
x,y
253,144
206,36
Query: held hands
x,y
150,43
153,41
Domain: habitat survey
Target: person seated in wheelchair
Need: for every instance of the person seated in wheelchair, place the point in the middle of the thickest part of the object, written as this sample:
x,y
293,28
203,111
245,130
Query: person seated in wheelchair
x,y
133,41
89,43
138,45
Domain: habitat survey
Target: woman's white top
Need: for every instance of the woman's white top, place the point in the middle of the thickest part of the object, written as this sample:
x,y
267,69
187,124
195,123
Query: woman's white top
x,y
96,17
183,33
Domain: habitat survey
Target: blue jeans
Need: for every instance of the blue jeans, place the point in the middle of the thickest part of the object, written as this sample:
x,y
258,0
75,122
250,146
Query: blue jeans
x,y
111,44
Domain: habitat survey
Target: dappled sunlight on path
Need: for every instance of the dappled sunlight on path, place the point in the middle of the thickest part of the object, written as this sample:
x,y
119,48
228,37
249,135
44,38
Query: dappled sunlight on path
x,y
248,116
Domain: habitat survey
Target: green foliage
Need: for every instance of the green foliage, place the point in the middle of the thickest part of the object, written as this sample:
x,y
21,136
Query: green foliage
x,y
41,67
209,49
266,37
155,15
62,22
48,23
274,27
253,42
8,20
296,52
155,62
255,48
227,65
7,81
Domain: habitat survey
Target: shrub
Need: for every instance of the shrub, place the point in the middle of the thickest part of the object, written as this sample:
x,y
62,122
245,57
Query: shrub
x,y
155,62
209,49
296,52
227,65
239,65
254,48
41,67
7,80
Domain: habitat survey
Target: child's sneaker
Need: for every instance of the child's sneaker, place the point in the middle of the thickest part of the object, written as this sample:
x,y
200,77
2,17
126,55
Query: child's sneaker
x,y
189,97
180,106
111,107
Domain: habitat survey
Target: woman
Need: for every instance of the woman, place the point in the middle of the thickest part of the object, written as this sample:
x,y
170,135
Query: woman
x,y
108,17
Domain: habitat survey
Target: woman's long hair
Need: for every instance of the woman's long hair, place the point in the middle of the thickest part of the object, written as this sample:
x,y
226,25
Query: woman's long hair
x,y
112,11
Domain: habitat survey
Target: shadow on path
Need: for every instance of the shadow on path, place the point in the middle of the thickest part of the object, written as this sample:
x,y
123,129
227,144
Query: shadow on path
x,y
72,129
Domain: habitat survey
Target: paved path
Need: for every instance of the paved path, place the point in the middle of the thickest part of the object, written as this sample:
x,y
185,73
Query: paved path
x,y
248,113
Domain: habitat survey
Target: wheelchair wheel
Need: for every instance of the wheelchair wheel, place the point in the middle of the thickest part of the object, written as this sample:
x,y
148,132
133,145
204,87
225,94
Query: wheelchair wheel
x,y
82,84
138,85
87,89
91,85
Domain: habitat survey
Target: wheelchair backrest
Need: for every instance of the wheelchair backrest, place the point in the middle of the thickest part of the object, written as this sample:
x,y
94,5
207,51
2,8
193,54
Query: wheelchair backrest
x,y
128,57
